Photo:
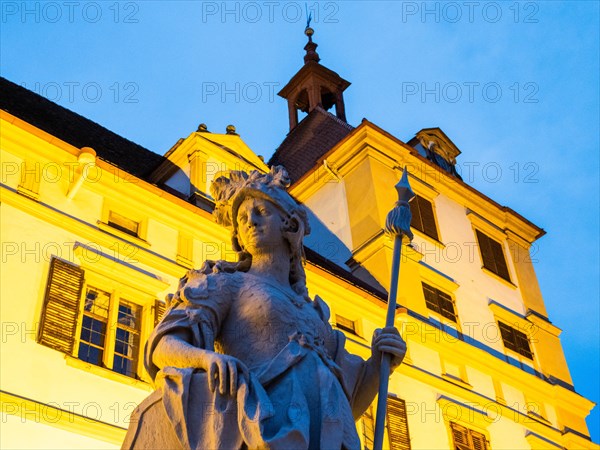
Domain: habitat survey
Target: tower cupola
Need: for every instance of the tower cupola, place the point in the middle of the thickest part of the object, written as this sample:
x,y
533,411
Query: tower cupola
x,y
314,85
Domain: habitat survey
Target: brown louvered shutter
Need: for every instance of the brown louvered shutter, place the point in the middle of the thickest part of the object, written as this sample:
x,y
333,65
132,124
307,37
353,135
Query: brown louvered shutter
x,y
523,344
159,311
446,306
422,216
501,268
397,423
428,218
61,306
431,297
492,255
479,442
508,336
487,256
439,302
415,211
460,435
515,340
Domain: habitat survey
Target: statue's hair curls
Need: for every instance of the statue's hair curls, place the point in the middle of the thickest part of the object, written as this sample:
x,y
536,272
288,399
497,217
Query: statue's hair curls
x,y
230,191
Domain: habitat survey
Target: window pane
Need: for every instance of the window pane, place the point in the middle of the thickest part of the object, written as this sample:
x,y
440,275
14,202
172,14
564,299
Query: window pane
x,y
93,332
96,302
129,314
90,354
368,423
93,328
86,329
127,338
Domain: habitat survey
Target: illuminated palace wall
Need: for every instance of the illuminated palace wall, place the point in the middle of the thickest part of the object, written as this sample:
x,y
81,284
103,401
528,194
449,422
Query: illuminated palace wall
x,y
96,231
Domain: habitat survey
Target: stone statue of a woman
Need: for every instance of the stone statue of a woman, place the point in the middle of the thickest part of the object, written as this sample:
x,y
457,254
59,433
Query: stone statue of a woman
x,y
243,358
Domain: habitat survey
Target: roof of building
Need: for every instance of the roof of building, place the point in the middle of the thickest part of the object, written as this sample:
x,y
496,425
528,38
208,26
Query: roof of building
x,y
318,260
76,130
314,136
139,161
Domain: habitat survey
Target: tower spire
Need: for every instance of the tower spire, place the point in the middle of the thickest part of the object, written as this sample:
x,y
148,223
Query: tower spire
x,y
310,47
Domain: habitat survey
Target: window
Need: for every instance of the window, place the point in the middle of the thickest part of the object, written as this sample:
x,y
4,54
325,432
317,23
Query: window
x,y
422,217
95,325
30,179
97,339
397,424
466,439
492,255
93,342
345,324
439,301
123,224
93,329
368,427
515,340
127,341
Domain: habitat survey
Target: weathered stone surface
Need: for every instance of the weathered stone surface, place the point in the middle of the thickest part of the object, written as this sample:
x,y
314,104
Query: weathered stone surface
x,y
243,356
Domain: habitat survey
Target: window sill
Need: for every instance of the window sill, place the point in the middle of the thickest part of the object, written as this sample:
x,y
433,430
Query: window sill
x,y
419,233
499,278
106,373
184,262
457,381
538,418
125,236
521,359
348,333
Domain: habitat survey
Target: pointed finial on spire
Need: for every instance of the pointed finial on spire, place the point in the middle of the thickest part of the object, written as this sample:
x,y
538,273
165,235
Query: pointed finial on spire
x,y
310,47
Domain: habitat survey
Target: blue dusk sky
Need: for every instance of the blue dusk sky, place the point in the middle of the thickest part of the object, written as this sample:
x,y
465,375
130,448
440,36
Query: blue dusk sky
x,y
514,85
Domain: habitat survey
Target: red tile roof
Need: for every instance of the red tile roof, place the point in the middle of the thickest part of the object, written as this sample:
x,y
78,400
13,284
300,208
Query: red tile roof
x,y
314,136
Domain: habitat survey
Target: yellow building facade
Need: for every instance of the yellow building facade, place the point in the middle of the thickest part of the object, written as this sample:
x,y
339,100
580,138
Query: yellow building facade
x,y
97,230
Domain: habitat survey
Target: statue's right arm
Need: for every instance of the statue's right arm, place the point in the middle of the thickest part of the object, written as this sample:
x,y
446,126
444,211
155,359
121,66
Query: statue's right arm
x,y
223,371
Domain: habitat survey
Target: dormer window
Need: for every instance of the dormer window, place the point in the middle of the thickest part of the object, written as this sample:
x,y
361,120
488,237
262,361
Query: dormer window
x,y
433,144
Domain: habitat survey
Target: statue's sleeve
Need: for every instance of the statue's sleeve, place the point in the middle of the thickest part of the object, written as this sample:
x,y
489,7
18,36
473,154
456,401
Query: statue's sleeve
x,y
198,309
351,366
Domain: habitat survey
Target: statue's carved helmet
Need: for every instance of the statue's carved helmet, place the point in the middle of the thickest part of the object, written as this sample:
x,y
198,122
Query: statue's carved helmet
x,y
230,191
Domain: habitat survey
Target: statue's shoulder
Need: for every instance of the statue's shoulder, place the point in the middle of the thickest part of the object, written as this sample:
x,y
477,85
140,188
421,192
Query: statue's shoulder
x,y
209,282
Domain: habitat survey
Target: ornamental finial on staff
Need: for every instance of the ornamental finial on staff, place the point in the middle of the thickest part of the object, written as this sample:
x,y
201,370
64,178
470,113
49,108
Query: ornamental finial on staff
x,y
398,219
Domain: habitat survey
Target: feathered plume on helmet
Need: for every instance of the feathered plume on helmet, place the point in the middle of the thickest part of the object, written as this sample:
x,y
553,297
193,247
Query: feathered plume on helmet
x,y
230,192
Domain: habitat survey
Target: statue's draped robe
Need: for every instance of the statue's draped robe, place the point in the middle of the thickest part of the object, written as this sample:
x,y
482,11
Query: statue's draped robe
x,y
298,397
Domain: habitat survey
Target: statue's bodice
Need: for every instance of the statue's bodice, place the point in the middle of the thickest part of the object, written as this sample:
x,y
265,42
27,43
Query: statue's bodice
x,y
262,319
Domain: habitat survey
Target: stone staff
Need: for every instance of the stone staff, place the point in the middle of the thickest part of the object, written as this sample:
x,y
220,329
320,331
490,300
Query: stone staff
x,y
397,225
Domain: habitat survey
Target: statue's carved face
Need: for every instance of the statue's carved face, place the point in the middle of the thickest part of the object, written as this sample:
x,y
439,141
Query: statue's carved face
x,y
260,225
